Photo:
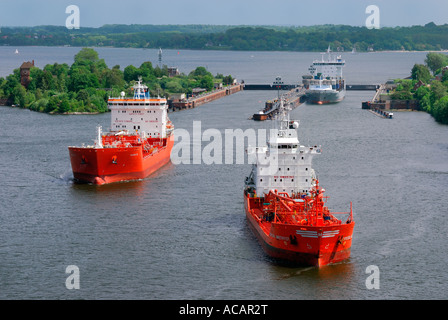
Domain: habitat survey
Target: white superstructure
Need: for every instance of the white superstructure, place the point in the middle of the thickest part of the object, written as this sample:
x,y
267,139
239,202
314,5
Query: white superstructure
x,y
283,165
325,83
142,114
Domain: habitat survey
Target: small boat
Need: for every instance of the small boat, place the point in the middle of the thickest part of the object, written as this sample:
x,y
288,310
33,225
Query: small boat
x,y
260,116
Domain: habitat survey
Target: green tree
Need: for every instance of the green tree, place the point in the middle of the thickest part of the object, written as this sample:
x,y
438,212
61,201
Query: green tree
x,y
440,110
435,61
82,79
64,106
86,54
199,71
18,95
146,70
206,82
227,80
421,92
421,72
131,73
48,82
113,78
438,90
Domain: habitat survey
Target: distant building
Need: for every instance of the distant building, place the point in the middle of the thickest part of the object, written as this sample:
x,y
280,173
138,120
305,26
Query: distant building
x,y
173,71
440,75
176,97
197,91
25,73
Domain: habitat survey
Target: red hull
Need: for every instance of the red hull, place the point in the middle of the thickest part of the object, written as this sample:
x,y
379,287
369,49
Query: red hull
x,y
305,245
107,165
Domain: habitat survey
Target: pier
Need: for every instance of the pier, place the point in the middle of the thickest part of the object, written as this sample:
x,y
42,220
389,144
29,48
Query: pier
x,y
382,113
196,101
351,87
381,103
296,95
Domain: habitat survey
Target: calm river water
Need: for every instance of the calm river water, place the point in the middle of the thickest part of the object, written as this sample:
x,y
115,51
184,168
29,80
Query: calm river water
x,y
182,233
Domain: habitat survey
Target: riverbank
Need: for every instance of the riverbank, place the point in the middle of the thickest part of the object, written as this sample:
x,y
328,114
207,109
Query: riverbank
x,y
86,85
243,37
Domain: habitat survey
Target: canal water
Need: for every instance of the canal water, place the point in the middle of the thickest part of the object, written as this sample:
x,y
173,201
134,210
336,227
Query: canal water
x,y
182,233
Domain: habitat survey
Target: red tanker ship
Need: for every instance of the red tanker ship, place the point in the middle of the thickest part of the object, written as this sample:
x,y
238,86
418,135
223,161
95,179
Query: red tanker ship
x,y
138,144
285,206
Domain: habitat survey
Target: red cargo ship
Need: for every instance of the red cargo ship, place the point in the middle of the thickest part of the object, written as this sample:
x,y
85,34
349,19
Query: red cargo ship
x,y
285,206
138,144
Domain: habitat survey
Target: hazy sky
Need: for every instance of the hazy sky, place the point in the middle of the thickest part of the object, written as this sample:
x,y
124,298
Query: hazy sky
x,y
95,13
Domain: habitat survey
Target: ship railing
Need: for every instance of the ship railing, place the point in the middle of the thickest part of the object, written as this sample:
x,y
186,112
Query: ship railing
x,y
311,210
309,217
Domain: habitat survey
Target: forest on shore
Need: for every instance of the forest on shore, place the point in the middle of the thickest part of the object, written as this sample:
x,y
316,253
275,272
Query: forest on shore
x,y
428,85
86,85
430,37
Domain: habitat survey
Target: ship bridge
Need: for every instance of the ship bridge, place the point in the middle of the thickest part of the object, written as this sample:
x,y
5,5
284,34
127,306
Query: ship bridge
x,y
141,113
283,165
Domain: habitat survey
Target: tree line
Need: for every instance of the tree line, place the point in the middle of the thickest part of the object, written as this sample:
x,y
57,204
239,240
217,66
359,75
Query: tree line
x,y
428,85
264,38
86,85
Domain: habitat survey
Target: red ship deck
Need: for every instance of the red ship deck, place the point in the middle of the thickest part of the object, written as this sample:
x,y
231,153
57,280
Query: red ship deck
x,y
289,232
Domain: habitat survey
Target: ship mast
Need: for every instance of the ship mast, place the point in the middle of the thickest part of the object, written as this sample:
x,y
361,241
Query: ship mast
x,y
283,119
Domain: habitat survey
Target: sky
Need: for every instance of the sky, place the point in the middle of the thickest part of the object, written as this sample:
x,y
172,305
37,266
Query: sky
x,y
95,13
